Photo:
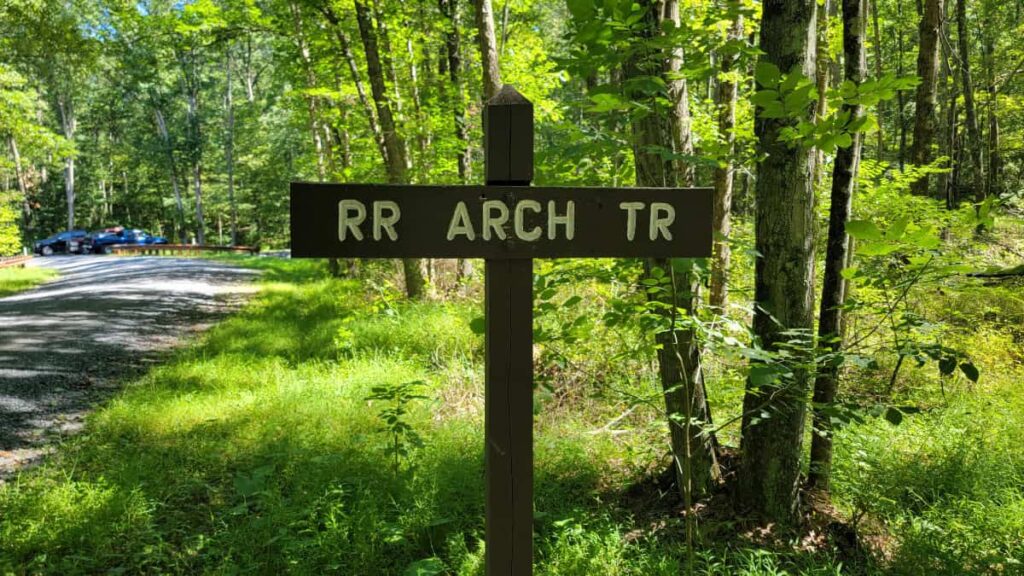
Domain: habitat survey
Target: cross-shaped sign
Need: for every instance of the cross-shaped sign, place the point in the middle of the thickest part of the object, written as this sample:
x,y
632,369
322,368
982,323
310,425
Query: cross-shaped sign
x,y
508,223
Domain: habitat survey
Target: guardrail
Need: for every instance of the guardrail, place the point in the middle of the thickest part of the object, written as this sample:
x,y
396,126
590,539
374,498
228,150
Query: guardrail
x,y
179,249
14,261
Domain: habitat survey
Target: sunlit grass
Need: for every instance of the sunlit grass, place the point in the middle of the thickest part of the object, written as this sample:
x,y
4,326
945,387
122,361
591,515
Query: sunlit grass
x,y
256,450
14,279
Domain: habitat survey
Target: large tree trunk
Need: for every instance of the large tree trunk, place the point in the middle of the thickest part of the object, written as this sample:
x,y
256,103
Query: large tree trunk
x,y
927,71
771,446
161,127
488,48
721,223
679,356
833,293
229,146
396,161
970,113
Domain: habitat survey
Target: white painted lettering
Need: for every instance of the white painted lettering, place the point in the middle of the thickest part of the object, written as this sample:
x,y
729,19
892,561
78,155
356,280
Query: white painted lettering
x,y
382,223
461,224
631,209
660,224
492,222
569,220
351,214
521,232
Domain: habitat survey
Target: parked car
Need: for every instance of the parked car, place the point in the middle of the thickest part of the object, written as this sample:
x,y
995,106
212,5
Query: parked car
x,y
103,241
69,242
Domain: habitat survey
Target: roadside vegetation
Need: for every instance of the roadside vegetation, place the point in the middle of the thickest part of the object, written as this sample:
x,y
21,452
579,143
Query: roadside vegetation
x,y
267,446
16,279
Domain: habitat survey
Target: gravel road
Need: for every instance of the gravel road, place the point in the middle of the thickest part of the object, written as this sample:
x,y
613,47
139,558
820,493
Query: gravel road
x,y
72,342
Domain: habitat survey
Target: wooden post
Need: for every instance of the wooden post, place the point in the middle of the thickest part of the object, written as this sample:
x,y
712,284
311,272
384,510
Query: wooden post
x,y
508,303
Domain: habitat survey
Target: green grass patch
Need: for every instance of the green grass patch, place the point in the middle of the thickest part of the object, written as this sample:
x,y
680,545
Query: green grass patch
x,y
16,279
257,449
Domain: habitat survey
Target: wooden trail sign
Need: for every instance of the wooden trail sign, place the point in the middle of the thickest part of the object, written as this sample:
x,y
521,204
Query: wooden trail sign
x,y
508,223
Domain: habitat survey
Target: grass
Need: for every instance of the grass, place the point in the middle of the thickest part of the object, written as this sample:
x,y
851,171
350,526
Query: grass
x,y
256,450
16,279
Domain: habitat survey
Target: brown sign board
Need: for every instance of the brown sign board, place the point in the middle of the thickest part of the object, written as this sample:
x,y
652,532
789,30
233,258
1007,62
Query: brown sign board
x,y
400,221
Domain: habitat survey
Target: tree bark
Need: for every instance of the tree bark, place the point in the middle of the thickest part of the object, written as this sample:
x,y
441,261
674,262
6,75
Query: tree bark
x,y
970,112
995,160
927,71
721,223
679,370
877,41
229,146
353,68
774,411
396,161
450,10
22,181
488,48
69,123
833,293
161,127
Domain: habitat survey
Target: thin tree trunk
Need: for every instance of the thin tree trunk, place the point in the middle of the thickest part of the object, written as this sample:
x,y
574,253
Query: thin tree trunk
x,y
311,101
161,127
877,40
833,293
995,161
450,10
19,175
970,113
771,448
229,146
488,48
927,71
396,162
721,223
68,125
353,68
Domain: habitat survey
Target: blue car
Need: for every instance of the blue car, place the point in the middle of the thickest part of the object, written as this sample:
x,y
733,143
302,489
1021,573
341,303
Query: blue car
x,y
69,242
103,242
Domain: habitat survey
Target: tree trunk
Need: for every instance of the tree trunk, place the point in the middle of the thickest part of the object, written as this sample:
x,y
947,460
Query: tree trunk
x,y
833,293
927,71
721,223
679,356
877,41
450,10
229,147
68,125
395,162
161,127
970,113
995,162
488,48
774,411
353,68
311,101
19,175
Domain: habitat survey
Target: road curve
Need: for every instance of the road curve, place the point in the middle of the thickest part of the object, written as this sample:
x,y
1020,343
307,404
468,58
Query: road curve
x,y
70,343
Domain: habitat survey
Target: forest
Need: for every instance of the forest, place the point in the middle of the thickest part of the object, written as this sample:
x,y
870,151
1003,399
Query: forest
x,y
835,390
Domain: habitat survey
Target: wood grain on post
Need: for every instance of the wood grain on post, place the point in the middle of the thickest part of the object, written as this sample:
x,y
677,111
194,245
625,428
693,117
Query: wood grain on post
x,y
508,303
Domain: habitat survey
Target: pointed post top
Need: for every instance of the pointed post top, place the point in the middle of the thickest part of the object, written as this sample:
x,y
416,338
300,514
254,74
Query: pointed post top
x,y
508,138
508,96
